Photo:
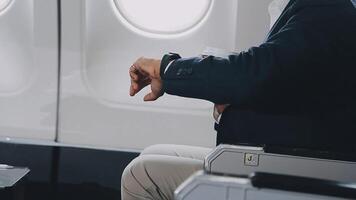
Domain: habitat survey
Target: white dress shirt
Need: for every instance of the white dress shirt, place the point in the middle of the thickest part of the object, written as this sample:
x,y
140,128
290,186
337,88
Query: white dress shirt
x,y
353,2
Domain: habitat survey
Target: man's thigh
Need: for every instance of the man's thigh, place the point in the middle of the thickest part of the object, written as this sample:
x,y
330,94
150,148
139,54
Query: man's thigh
x,y
157,176
184,151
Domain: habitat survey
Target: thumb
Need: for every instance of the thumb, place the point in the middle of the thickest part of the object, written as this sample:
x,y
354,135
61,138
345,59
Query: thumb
x,y
221,107
150,97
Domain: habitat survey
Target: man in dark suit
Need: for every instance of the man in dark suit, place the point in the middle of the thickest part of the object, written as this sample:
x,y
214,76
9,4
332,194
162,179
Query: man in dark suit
x,y
296,89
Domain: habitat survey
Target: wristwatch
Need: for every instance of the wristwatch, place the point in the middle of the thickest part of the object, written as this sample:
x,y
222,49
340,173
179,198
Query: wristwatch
x,y
167,58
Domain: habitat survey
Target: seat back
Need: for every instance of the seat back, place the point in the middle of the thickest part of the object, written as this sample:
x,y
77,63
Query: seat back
x,y
243,160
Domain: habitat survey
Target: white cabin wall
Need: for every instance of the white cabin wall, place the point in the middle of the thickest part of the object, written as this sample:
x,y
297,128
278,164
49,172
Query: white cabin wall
x,y
96,51
253,23
28,69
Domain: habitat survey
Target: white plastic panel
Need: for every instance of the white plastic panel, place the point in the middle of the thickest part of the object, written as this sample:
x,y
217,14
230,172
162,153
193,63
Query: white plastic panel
x,y
201,186
97,50
283,195
253,21
241,160
28,68
4,4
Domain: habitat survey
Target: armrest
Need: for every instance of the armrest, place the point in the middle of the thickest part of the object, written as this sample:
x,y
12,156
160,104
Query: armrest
x,y
244,160
258,186
303,185
202,186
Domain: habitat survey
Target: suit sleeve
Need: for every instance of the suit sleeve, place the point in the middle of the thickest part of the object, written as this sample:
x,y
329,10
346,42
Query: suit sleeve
x,y
271,73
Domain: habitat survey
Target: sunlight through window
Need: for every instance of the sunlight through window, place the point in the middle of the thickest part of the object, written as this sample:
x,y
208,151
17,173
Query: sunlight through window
x,y
163,16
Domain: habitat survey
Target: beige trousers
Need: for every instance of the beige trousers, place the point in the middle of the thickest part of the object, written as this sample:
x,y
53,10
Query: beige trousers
x,y
159,170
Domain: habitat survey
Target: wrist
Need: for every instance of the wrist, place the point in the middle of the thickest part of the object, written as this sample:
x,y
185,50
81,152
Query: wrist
x,y
157,64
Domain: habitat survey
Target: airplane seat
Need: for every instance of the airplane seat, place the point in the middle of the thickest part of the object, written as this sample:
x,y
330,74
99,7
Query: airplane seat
x,y
258,186
244,160
246,172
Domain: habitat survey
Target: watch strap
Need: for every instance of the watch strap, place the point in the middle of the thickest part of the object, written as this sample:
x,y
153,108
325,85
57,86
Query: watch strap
x,y
167,58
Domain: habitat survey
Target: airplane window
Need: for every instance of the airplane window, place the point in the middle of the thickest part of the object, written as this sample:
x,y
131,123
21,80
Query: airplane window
x,y
163,16
4,4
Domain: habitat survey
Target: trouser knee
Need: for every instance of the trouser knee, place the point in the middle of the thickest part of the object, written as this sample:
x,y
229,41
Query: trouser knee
x,y
136,182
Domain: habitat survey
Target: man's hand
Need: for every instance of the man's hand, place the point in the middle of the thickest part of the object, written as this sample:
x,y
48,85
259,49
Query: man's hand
x,y
221,108
145,72
218,110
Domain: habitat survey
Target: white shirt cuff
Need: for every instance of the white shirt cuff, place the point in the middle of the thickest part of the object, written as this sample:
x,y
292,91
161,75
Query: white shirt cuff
x,y
169,64
216,115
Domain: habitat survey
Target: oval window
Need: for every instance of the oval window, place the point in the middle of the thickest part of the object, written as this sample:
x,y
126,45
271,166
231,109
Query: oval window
x,y
4,4
163,16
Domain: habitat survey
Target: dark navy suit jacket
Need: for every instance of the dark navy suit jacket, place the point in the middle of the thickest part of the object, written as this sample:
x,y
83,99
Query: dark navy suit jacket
x,y
296,89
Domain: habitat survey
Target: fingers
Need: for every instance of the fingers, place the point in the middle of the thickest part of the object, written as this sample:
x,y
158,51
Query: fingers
x,y
150,97
142,84
136,87
139,74
142,73
220,108
138,81
134,78
133,89
142,64
149,67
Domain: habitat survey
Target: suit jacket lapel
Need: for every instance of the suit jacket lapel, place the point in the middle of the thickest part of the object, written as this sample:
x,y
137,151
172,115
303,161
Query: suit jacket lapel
x,y
294,5
283,18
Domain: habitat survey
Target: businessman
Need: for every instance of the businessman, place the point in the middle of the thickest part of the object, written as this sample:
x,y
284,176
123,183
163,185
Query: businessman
x,y
298,88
